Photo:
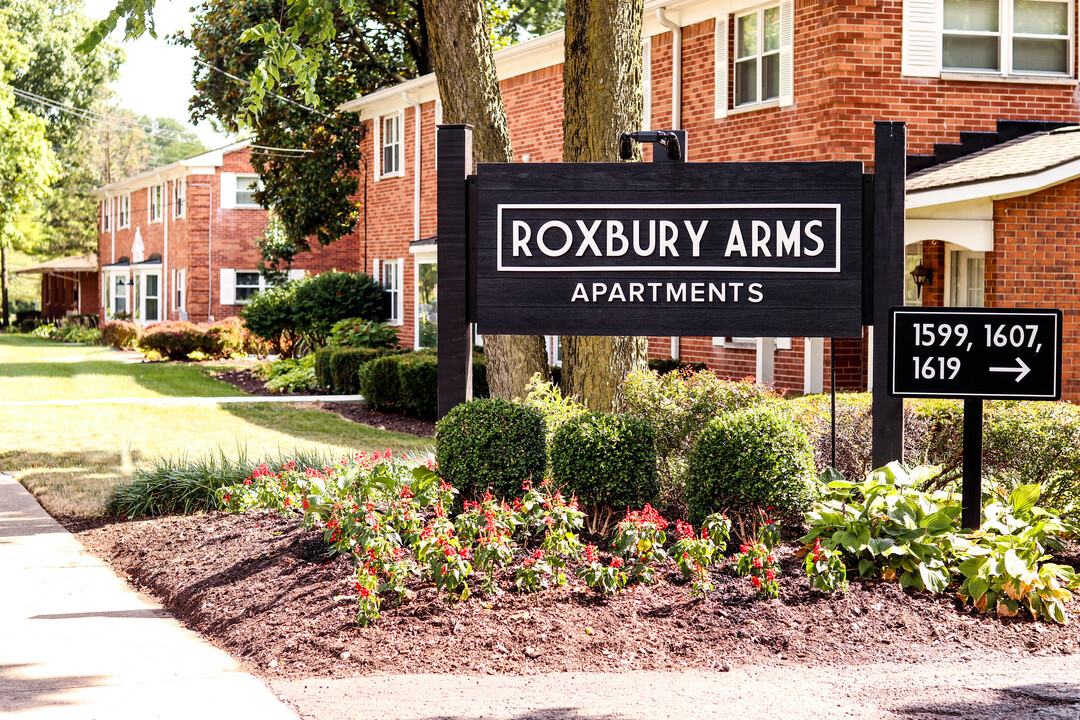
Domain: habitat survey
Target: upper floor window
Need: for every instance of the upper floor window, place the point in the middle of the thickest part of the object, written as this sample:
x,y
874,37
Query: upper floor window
x,y
179,197
757,56
754,56
106,214
123,214
992,37
390,155
246,187
156,196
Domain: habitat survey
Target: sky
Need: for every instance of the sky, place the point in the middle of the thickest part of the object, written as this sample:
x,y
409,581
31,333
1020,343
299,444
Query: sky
x,y
155,79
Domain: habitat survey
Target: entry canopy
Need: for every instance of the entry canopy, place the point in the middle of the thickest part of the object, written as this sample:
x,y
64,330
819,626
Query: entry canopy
x,y
771,249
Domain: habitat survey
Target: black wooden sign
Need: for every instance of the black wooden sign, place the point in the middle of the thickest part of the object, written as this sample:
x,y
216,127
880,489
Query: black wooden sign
x,y
760,249
1012,354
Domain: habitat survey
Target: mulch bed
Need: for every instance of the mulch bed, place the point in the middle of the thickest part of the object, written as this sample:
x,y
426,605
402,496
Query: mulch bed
x,y
264,589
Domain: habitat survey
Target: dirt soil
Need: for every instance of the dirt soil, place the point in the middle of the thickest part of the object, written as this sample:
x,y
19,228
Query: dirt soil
x,y
358,412
264,589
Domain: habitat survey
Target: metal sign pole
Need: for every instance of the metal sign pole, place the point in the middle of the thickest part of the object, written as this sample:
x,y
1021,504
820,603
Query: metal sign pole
x,y
971,497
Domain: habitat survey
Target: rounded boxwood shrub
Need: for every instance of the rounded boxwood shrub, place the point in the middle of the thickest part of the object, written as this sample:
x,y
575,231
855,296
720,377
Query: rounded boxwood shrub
x,y
748,460
379,384
606,460
418,376
491,443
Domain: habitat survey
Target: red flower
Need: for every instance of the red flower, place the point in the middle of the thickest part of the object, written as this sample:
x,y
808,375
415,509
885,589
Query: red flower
x,y
227,497
616,562
757,562
590,554
770,575
684,529
756,582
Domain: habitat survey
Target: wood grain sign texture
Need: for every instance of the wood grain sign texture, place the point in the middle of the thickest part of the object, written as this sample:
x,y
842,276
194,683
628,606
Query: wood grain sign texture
x,y
752,249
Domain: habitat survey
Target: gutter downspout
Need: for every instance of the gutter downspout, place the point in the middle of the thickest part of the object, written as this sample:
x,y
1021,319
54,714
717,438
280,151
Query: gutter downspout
x,y
416,167
676,68
676,110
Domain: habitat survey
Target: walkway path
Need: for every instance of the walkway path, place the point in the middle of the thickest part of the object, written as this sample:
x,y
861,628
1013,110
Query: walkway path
x,y
77,643
187,400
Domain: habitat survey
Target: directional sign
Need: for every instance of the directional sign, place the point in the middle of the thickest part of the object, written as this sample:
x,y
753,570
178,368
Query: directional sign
x,y
1012,354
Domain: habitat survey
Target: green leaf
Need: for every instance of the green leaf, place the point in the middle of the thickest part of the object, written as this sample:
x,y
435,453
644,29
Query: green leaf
x,y
975,567
866,567
976,587
1023,498
881,546
1014,565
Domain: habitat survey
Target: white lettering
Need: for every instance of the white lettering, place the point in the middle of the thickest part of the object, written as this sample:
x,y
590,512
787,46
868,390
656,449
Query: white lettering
x,y
695,237
735,289
598,290
579,293
697,292
652,239
676,293
521,241
810,234
655,286
616,293
669,233
566,231
615,232
587,239
636,290
735,243
761,234
717,293
755,293
786,242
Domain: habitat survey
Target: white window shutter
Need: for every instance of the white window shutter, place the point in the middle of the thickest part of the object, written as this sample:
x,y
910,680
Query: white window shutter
x,y
646,83
921,45
228,286
375,271
787,53
228,190
721,74
377,147
296,274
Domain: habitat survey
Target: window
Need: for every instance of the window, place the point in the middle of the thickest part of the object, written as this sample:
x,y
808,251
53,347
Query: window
x,y
119,295
427,304
106,214
991,37
757,56
247,284
123,219
391,282
761,70
967,278
179,197
246,187
179,283
155,196
390,143
147,297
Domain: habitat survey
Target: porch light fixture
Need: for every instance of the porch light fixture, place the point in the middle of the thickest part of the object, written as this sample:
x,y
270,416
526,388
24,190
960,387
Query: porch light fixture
x,y
921,275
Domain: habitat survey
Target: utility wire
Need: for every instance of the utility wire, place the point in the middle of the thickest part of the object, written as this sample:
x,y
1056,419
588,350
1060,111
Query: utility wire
x,y
279,97
97,117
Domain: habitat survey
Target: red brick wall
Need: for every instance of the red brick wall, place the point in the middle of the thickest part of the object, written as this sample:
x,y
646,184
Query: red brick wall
x,y
1034,264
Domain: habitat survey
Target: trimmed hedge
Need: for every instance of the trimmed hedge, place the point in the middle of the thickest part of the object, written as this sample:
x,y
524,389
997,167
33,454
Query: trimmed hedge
x,y
491,444
344,363
668,365
418,378
379,384
177,340
606,460
749,460
120,334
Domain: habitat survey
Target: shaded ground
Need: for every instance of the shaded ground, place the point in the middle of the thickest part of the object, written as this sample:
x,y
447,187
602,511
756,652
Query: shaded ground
x,y
262,588
357,412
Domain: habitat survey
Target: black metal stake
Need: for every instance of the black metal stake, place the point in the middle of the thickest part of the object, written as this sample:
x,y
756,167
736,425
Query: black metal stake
x,y
971,514
832,387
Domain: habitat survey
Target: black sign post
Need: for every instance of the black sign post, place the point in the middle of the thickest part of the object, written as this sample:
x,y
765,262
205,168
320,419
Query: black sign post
x,y
974,354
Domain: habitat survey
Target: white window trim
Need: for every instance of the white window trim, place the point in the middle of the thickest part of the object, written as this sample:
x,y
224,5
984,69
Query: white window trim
x,y
179,209
123,219
110,292
725,62
179,291
400,119
397,317
106,214
429,254
151,206
140,276
748,343
962,255
227,284
237,179
923,36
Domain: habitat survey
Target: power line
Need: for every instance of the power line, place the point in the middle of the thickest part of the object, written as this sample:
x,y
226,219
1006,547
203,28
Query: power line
x,y
279,97
97,117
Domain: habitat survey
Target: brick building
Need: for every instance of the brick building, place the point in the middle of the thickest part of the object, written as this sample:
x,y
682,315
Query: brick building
x,y
792,80
178,242
69,286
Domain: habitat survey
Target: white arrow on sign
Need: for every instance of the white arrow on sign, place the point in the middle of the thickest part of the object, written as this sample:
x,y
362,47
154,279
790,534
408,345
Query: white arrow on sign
x,y
1023,370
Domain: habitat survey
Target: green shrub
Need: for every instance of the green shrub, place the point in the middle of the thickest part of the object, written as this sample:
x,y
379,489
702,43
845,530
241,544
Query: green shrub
x,y
291,376
1036,442
491,443
664,366
379,383
322,367
321,300
173,340
268,315
223,339
748,460
419,380
548,399
480,387
344,366
361,333
678,405
608,461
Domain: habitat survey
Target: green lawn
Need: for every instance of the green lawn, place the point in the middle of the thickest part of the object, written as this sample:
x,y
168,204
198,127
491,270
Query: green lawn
x,y
72,457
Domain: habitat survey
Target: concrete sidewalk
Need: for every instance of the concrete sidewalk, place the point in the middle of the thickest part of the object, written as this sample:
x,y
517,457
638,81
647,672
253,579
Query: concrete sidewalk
x,y
222,400
76,643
